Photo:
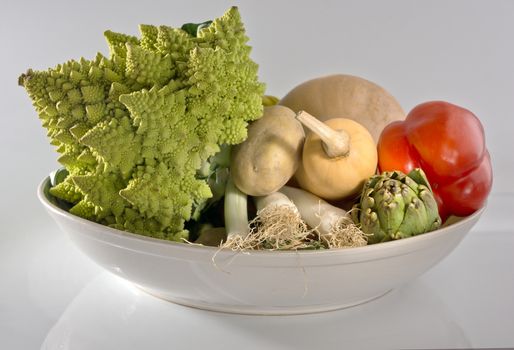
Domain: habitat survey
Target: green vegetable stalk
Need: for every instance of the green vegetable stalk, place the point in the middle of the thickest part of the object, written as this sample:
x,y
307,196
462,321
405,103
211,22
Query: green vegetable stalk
x,y
194,28
236,212
135,129
394,205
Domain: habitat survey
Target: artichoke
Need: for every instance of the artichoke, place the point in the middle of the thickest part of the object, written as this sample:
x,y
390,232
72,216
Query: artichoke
x,y
394,205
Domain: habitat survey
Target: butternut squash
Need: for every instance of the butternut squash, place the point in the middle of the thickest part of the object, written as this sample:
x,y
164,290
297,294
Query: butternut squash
x,y
346,96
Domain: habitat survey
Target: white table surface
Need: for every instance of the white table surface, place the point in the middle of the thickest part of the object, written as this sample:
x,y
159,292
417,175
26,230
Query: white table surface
x,y
53,297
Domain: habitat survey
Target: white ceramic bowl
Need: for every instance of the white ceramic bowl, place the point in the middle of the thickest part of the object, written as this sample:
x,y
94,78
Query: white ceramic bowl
x,y
260,282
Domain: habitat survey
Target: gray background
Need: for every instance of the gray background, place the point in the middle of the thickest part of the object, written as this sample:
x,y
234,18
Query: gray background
x,y
459,51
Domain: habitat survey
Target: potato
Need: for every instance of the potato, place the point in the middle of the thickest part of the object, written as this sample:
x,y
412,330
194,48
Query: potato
x,y
270,155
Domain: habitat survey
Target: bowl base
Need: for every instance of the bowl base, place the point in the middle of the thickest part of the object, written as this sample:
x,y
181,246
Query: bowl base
x,y
259,310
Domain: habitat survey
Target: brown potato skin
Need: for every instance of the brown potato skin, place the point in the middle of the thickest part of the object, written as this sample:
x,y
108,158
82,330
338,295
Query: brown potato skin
x,y
346,96
270,155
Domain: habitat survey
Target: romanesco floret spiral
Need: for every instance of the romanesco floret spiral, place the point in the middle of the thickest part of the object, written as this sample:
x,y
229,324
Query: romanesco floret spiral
x,y
134,129
149,35
67,191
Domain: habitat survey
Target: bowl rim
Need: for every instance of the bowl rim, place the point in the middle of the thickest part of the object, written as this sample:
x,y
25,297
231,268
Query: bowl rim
x,y
120,234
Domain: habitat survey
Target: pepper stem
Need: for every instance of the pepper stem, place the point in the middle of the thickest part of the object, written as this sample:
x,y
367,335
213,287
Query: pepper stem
x,y
336,143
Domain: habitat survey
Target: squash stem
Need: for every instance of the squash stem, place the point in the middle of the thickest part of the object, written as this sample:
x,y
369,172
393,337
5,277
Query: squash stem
x,y
336,143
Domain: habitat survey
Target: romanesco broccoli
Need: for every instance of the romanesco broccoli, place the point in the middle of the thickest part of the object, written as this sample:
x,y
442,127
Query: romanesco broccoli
x,y
134,130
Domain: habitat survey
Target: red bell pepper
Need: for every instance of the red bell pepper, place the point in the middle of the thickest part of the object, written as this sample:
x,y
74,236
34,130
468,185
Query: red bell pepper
x,y
447,142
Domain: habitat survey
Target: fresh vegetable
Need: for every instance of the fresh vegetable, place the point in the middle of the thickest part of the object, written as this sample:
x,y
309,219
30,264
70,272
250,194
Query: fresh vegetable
x,y
236,211
194,29
448,142
215,170
58,176
277,226
338,156
346,96
211,236
276,199
136,129
268,100
270,155
394,205
333,224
